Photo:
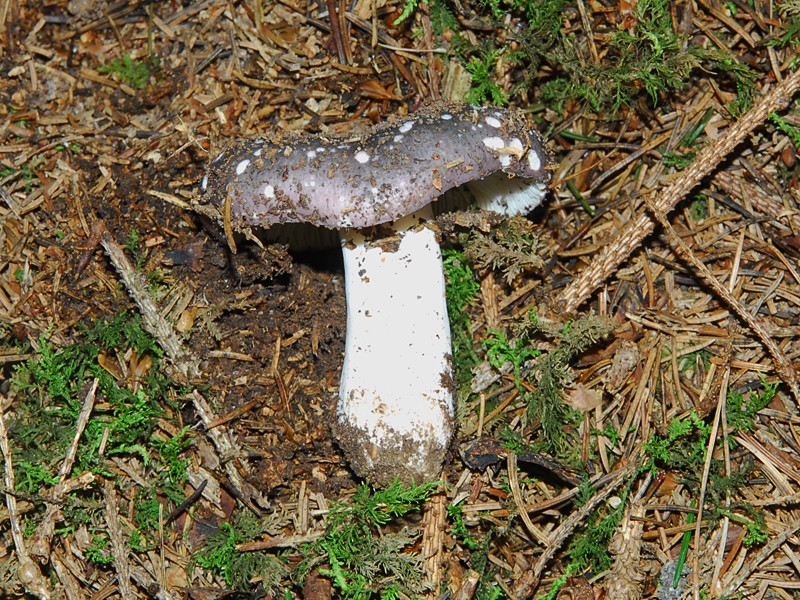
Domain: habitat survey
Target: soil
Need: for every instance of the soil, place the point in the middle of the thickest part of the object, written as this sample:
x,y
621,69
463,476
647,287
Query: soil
x,y
84,150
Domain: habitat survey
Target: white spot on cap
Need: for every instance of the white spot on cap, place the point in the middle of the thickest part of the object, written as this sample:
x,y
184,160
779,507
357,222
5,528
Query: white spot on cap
x,y
374,191
343,146
533,161
493,122
217,157
505,160
516,143
397,138
320,149
242,166
362,157
311,154
447,116
494,143
257,152
204,183
269,191
406,127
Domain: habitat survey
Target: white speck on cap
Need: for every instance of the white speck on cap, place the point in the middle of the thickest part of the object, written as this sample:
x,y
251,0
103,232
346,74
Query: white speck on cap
x,y
533,161
242,166
217,157
204,183
320,149
362,157
493,122
374,191
446,116
269,191
504,159
397,138
257,152
494,143
406,127
515,143
311,154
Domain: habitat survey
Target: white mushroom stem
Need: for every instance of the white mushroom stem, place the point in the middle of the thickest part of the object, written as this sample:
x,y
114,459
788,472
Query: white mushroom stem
x,y
396,408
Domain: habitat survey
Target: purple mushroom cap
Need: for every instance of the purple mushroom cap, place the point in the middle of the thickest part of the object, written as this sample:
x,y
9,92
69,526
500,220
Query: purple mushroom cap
x,y
391,171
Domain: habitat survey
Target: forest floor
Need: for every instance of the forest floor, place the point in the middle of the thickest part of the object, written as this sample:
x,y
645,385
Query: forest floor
x,y
626,355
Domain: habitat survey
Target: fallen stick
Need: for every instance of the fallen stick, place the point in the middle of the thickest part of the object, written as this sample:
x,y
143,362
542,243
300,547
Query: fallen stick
x,y
606,262
183,359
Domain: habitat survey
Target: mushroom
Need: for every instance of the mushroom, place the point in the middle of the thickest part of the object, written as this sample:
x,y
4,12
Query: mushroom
x,y
395,415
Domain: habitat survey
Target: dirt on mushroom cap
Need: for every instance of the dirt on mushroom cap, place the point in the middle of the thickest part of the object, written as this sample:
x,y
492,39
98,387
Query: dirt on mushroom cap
x,y
392,170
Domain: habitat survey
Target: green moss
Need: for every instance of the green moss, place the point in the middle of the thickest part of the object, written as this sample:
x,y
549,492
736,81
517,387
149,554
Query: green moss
x,y
741,414
220,556
552,372
511,248
481,67
461,291
362,561
50,389
136,73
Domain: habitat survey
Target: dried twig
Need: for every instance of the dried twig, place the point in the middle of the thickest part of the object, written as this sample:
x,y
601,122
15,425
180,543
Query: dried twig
x,y
528,582
469,584
227,448
516,493
712,439
433,538
625,579
339,32
28,572
154,323
433,74
119,546
783,366
40,542
184,361
4,15
628,240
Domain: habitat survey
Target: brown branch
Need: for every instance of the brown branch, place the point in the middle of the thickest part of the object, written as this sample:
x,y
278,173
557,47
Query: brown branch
x,y
339,31
782,364
630,239
119,547
29,574
433,75
526,584
154,323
